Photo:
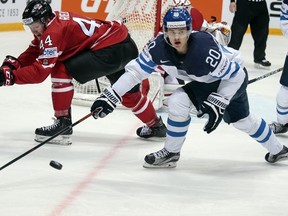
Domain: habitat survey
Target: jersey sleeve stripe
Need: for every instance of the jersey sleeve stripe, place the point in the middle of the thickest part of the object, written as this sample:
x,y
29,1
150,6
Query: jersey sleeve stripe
x,y
237,68
147,61
144,67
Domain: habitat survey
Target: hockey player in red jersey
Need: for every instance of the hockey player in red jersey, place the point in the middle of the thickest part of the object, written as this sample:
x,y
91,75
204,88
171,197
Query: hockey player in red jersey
x,y
67,46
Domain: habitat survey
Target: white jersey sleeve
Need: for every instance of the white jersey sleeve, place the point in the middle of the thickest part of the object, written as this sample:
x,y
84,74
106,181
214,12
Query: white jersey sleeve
x,y
230,71
232,54
132,76
221,31
284,18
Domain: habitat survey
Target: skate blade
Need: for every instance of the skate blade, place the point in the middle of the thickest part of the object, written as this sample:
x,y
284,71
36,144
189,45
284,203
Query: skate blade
x,y
259,66
153,139
166,165
282,157
59,140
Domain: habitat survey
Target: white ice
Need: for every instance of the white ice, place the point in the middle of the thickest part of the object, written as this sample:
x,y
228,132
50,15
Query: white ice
x,y
221,174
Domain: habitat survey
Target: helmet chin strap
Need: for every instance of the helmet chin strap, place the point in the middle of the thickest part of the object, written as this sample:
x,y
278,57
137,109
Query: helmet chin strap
x,y
167,41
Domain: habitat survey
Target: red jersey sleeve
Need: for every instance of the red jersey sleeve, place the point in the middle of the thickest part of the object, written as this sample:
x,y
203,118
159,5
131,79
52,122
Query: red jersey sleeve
x,y
69,34
32,70
31,74
66,35
30,54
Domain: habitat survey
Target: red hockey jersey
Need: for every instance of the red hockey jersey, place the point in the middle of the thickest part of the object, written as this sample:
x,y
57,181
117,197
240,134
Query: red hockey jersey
x,y
66,35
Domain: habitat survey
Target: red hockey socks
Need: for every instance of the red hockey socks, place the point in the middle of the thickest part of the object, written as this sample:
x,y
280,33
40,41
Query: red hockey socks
x,y
141,106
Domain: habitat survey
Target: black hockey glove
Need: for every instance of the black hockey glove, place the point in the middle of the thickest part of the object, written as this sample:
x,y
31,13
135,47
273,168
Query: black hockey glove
x,y
12,62
106,103
214,106
6,76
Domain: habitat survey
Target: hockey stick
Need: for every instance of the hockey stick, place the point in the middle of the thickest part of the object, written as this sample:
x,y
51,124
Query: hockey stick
x,y
44,142
194,110
265,75
98,86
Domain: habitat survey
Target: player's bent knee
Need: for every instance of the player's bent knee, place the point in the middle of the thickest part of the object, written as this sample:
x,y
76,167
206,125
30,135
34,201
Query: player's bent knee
x,y
179,104
130,100
248,124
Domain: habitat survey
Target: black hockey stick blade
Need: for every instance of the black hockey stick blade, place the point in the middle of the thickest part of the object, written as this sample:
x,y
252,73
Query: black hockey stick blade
x,y
46,141
265,75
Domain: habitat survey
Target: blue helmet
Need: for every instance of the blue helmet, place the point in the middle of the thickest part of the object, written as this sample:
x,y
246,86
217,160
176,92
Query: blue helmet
x,y
177,17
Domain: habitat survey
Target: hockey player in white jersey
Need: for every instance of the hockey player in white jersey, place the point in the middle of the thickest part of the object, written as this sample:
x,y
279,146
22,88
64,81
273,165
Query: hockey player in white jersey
x,y
281,126
220,30
216,85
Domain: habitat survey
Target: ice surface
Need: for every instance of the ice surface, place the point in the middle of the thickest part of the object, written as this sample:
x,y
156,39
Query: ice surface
x,y
221,174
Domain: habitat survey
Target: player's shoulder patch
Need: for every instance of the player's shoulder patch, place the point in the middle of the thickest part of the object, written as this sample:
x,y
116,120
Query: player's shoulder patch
x,y
63,15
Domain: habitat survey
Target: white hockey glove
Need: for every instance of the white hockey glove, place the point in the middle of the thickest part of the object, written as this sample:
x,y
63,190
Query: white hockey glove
x,y
221,31
214,106
106,103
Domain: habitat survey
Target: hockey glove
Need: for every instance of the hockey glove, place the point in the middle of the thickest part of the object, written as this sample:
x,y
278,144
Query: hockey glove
x,y
214,106
6,76
11,62
106,103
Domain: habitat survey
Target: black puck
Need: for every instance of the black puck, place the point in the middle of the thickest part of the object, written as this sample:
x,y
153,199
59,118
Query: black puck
x,y
55,164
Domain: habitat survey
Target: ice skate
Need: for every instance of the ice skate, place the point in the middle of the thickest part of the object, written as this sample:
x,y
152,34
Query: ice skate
x,y
161,159
278,128
46,132
283,154
263,64
158,130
